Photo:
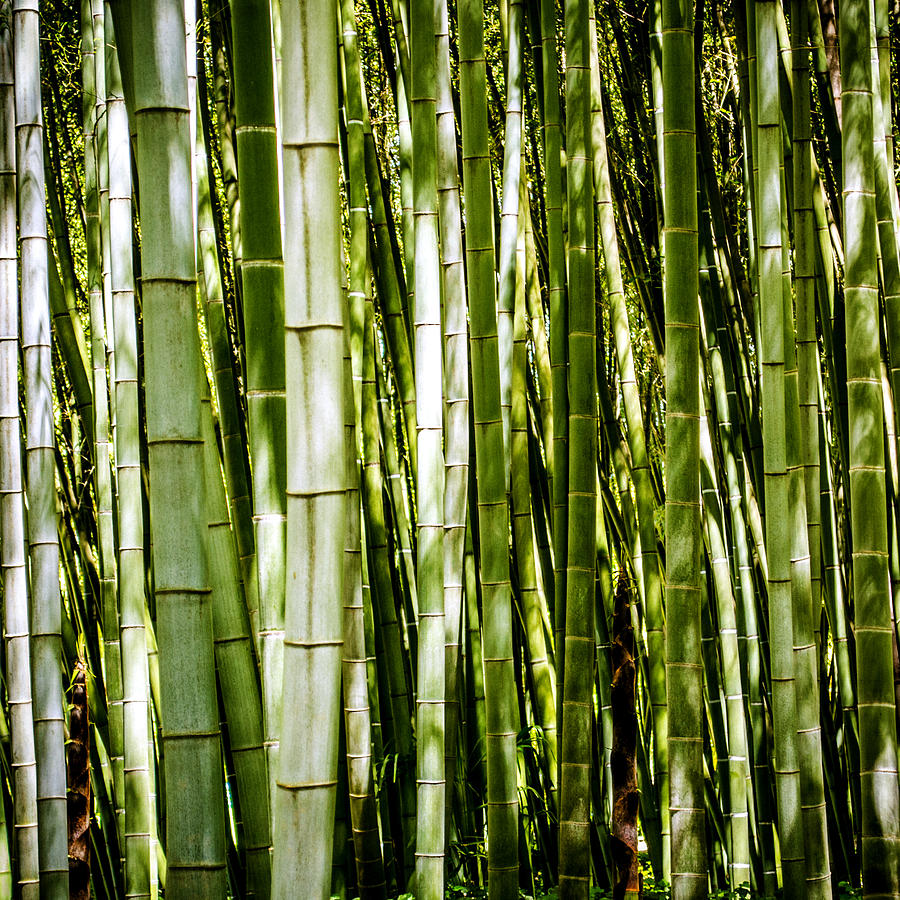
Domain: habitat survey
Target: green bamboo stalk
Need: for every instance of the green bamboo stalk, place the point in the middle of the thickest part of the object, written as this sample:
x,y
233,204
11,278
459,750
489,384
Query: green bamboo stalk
x,y
210,270
385,605
102,153
130,500
575,743
806,616
647,563
558,458
103,486
236,667
777,483
314,345
357,711
430,678
43,545
16,626
683,536
509,210
194,805
456,391
885,206
543,695
501,726
262,281
735,760
880,803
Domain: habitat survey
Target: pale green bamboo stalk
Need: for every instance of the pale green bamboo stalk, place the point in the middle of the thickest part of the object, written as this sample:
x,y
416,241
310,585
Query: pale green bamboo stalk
x,y
777,497
738,773
43,545
13,565
226,392
543,697
541,346
880,802
806,616
195,834
558,457
399,691
316,478
501,718
391,294
885,205
724,393
456,392
509,211
359,362
578,652
101,150
73,348
225,128
130,505
363,354
103,486
262,279
237,672
357,711
684,676
431,658
404,137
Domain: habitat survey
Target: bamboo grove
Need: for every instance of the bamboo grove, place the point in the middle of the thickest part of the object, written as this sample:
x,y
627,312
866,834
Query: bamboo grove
x,y
449,445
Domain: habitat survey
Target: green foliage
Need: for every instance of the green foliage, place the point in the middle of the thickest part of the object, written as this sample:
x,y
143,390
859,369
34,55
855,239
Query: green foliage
x,y
651,891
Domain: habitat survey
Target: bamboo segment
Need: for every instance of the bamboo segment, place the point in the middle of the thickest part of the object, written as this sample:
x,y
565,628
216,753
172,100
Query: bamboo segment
x,y
358,714
316,478
778,535
509,211
135,675
556,288
195,833
880,804
493,521
43,546
103,486
575,740
430,678
262,281
456,393
16,626
237,672
683,535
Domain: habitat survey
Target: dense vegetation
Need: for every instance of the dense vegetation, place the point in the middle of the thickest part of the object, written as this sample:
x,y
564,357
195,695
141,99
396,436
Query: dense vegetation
x,y
449,448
